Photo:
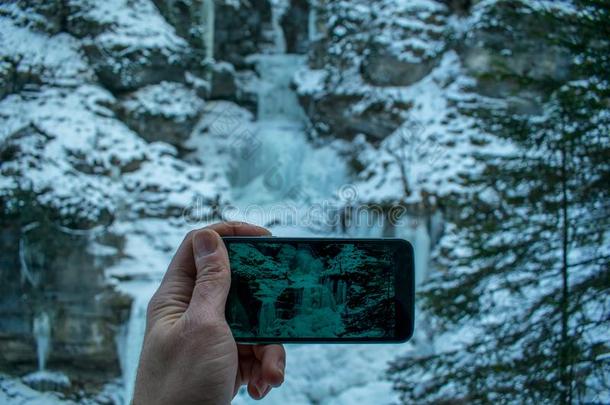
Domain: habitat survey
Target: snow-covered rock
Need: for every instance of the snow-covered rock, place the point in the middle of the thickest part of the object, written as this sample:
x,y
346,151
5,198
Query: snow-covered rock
x,y
510,51
223,81
129,43
47,381
26,63
189,18
71,172
44,16
162,112
14,391
407,41
368,51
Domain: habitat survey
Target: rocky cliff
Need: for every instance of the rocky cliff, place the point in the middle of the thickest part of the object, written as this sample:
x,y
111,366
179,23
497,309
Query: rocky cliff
x,y
88,89
403,80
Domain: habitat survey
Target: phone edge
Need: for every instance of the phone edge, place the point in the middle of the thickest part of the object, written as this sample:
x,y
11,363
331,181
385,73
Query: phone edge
x,y
408,292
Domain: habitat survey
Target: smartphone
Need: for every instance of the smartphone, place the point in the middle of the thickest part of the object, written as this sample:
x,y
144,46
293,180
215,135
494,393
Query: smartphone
x,y
320,290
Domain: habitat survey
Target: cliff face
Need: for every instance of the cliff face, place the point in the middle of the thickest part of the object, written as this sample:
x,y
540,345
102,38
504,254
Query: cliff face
x,y
402,80
50,272
369,55
86,88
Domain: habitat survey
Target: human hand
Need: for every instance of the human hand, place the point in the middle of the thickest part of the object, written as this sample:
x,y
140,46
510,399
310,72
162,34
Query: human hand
x,y
189,355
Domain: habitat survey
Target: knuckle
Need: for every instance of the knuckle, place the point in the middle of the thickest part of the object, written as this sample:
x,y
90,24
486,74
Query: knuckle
x,y
212,279
215,267
210,286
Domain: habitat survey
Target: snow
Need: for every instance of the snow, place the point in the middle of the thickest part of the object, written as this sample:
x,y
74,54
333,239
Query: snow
x,y
436,147
310,81
56,380
167,99
408,47
13,391
333,374
54,59
68,125
133,24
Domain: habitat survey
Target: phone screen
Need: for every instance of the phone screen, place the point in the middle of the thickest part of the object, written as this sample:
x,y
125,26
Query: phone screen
x,y
285,289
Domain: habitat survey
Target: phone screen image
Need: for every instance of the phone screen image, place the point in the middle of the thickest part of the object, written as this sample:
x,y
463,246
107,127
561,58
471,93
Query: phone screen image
x,y
313,289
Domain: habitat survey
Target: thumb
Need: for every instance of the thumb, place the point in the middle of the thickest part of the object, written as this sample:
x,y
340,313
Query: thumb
x,y
213,278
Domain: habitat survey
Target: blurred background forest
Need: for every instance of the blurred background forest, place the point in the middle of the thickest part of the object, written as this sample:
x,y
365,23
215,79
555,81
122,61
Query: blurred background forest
x,y
477,129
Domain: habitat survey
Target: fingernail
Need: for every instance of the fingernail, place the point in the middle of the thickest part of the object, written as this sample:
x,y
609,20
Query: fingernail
x,y
260,391
204,243
280,369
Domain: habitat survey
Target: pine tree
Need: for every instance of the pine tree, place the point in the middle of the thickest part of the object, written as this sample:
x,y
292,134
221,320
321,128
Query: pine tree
x,y
524,301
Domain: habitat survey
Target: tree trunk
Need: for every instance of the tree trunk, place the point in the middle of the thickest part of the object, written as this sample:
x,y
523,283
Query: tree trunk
x,y
564,356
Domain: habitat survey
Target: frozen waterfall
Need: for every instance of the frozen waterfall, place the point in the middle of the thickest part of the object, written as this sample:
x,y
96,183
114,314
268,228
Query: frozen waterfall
x,y
283,167
289,170
129,342
276,99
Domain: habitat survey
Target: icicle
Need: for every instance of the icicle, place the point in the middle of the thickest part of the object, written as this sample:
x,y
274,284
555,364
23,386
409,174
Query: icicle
x,y
276,15
26,274
96,230
422,252
208,26
42,334
312,21
436,227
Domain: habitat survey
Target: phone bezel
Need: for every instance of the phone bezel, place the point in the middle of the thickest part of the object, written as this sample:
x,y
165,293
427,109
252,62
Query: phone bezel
x,y
404,289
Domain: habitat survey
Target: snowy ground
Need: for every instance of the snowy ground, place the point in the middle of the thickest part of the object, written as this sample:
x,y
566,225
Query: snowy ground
x,y
334,375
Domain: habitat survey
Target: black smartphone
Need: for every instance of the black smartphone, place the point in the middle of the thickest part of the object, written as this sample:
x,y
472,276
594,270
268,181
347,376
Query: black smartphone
x,y
320,290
